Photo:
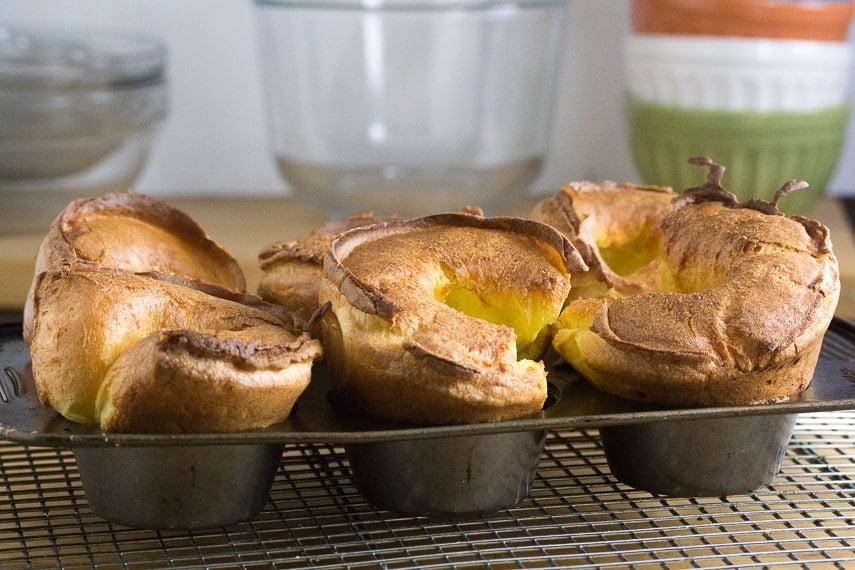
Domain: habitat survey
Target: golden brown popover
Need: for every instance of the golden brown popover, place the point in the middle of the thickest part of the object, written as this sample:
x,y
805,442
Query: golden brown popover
x,y
735,313
291,270
154,353
137,321
442,319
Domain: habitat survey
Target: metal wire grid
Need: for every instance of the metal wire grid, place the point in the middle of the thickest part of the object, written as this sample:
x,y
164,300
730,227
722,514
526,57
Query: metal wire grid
x,y
577,515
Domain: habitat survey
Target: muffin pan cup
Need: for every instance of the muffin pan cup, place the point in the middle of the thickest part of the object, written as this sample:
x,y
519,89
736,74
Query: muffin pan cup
x,y
178,487
699,458
447,476
189,481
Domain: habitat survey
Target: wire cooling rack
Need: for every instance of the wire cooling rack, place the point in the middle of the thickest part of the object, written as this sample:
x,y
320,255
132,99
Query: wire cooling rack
x,y
577,515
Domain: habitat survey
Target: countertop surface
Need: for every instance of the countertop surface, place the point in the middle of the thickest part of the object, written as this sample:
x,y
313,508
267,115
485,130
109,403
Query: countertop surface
x,y
245,225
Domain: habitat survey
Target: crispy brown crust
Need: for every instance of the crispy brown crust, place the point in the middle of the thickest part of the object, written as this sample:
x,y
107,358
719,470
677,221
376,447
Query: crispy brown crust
x,y
99,230
369,299
397,352
240,353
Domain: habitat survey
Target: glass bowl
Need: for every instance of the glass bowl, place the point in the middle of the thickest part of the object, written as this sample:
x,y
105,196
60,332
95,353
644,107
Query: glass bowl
x,y
406,107
78,110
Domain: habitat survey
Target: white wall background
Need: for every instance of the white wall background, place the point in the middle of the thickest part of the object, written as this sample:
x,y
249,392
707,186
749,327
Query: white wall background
x,y
214,141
